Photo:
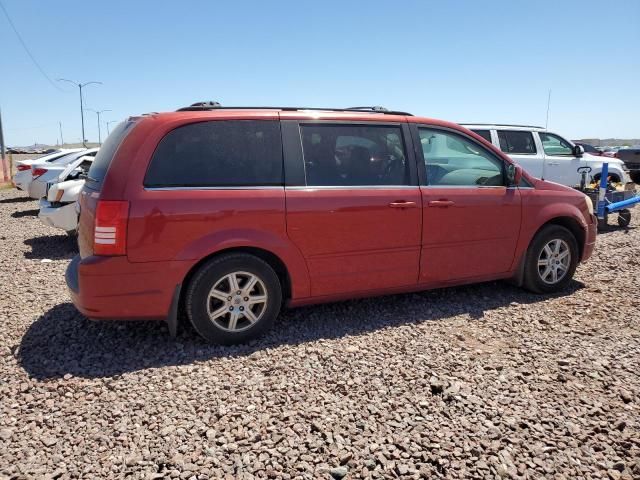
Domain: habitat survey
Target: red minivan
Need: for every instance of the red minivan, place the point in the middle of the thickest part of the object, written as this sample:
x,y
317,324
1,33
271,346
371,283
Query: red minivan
x,y
231,213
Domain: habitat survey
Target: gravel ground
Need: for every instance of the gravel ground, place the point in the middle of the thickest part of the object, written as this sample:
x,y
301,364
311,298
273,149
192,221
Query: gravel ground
x,y
485,381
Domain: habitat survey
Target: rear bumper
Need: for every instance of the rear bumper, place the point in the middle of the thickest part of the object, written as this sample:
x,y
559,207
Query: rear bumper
x,y
114,288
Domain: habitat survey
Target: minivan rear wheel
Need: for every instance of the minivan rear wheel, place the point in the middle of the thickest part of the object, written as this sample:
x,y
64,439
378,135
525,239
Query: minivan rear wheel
x,y
551,260
233,298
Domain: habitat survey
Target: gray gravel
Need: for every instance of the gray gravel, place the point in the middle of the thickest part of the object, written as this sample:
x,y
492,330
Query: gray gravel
x,y
485,381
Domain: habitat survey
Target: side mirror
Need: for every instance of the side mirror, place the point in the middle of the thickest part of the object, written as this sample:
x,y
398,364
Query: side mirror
x,y
578,150
514,175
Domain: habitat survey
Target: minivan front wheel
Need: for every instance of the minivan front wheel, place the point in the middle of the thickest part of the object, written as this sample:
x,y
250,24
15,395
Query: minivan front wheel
x,y
551,261
233,298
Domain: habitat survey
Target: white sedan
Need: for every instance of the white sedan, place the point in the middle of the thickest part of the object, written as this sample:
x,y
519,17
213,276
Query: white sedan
x,y
23,177
59,209
50,172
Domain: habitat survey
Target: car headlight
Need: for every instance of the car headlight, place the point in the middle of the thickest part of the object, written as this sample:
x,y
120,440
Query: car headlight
x,y
589,202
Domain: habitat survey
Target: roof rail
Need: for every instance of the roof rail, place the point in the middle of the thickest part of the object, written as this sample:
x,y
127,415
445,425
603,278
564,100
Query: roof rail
x,y
498,125
210,105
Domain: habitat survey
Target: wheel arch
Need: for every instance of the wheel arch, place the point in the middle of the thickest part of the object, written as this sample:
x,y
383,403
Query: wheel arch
x,y
176,314
270,258
568,222
613,171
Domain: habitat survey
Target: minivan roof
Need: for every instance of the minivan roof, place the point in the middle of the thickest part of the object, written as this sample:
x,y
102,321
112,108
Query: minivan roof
x,y
209,106
503,126
257,113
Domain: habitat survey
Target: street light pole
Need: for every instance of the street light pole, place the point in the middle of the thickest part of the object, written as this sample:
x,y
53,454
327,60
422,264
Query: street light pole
x,y
109,123
98,112
80,85
6,174
61,138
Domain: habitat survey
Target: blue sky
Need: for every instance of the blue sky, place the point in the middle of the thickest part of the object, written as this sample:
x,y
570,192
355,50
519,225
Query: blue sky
x,y
490,61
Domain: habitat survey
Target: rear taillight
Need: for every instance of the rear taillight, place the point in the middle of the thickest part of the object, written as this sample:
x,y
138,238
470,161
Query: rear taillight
x,y
110,231
36,172
22,168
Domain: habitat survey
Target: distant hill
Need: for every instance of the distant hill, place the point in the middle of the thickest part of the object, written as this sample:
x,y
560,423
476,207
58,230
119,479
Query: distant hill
x,y
39,148
610,142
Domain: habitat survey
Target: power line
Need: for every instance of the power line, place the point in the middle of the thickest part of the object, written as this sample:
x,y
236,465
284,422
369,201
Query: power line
x,y
24,45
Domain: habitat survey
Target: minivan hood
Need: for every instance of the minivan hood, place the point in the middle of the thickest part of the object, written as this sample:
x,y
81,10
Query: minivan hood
x,y
548,185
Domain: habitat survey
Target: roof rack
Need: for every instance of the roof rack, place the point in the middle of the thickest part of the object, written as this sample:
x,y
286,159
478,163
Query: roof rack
x,y
499,125
204,106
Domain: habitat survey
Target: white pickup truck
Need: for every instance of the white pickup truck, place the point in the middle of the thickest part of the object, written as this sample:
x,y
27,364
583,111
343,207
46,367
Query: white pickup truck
x,y
547,155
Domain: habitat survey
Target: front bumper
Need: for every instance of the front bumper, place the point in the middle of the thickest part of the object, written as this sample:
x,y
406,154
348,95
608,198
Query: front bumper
x,y
64,217
114,288
590,238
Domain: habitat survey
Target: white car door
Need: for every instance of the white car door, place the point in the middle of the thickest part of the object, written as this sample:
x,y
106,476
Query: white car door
x,y
560,163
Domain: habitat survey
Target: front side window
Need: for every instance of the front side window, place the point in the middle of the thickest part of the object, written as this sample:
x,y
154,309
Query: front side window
x,y
224,153
354,155
454,160
555,145
516,142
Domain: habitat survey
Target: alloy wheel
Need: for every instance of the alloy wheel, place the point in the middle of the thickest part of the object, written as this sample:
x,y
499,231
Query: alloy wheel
x,y
554,261
237,301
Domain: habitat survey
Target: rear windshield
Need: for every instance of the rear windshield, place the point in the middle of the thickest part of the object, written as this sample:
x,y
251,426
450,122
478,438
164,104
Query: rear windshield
x,y
55,156
69,157
103,159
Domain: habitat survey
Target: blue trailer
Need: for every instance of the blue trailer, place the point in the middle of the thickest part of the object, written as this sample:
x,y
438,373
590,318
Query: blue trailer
x,y
608,202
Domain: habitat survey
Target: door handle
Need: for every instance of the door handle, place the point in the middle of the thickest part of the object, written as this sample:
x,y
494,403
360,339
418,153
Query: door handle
x,y
441,203
553,163
402,204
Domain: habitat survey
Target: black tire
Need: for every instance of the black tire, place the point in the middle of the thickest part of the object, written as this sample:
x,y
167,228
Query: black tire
x,y
612,177
198,302
624,217
603,223
635,176
533,280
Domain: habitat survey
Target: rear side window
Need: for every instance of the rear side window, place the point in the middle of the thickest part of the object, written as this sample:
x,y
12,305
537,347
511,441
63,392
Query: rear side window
x,y
354,155
516,142
486,134
104,156
222,153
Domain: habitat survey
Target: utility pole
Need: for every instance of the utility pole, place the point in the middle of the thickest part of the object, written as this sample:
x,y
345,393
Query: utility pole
x,y
3,158
80,85
61,139
98,112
